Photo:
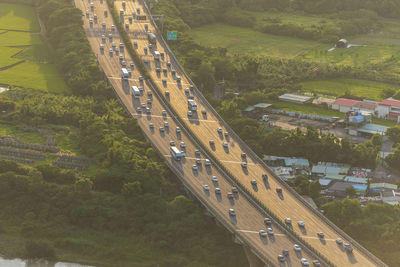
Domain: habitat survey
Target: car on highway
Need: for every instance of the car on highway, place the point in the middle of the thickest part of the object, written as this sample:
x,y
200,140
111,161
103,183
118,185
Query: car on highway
x,y
226,134
279,190
270,231
219,130
244,165
164,81
139,110
339,241
207,162
151,125
264,177
225,145
232,212
164,113
197,153
162,129
304,262
149,101
253,182
301,224
195,168
149,94
288,221
148,110
229,195
281,258
244,156
316,263
204,112
187,91
214,179
198,161
167,93
217,191
190,113
183,145
348,247
262,233
235,190
166,125
206,187
267,221
143,105
297,248
320,234
172,143
169,64
212,143
285,252
178,130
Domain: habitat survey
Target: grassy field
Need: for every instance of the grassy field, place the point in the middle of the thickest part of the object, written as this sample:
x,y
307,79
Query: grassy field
x,y
309,109
18,17
338,87
36,71
248,41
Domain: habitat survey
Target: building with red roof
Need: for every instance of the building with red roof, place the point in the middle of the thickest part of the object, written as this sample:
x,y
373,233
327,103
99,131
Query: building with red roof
x,y
389,109
344,104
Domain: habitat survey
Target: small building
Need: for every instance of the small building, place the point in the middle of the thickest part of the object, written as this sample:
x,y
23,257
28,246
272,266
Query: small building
x,y
285,173
355,180
344,104
379,187
335,177
391,197
323,169
366,106
360,188
389,109
298,99
324,183
338,189
256,111
370,129
297,162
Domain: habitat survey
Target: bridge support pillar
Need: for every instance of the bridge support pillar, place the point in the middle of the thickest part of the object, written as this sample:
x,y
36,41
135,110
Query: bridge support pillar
x,y
253,260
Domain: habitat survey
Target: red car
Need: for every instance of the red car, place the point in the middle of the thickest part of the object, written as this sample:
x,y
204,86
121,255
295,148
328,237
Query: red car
x,y
279,190
230,195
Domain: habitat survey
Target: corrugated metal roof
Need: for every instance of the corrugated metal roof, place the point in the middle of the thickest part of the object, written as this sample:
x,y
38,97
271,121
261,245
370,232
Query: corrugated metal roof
x,y
356,180
324,182
262,105
390,102
383,185
293,97
372,128
338,177
318,169
296,162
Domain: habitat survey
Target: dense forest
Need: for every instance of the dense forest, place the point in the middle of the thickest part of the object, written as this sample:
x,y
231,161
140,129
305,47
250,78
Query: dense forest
x,y
130,210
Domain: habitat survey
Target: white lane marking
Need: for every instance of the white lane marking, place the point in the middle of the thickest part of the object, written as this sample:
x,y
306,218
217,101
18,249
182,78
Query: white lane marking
x,y
220,160
186,84
303,236
119,78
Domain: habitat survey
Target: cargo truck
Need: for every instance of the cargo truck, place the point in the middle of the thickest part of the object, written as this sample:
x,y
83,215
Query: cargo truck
x,y
135,92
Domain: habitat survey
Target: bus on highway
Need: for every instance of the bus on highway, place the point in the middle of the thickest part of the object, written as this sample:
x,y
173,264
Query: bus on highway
x,y
135,92
176,153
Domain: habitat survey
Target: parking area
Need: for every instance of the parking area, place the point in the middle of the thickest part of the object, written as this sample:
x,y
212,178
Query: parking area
x,y
291,123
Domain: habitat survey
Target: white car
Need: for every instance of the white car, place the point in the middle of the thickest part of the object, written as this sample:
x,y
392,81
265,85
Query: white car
x,y
214,179
198,161
301,224
232,212
164,113
151,125
171,143
339,241
206,187
178,130
225,144
320,234
270,231
195,168
262,233
304,262
288,221
348,247
183,145
267,221
162,129
207,162
244,165
139,110
297,248
166,125
190,113
217,191
253,182
219,130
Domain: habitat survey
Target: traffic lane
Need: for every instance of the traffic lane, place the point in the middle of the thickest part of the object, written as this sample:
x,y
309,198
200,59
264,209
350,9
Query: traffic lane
x,y
171,82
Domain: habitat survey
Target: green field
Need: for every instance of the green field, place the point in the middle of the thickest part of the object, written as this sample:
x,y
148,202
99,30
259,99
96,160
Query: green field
x,y
248,41
36,71
18,17
338,87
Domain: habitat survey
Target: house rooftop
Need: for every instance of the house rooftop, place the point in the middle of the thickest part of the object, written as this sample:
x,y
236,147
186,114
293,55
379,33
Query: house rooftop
x,y
346,102
365,105
390,102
